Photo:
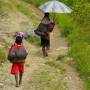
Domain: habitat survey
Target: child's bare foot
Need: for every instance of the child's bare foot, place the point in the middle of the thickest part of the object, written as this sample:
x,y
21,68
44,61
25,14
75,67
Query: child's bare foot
x,y
20,82
45,55
17,85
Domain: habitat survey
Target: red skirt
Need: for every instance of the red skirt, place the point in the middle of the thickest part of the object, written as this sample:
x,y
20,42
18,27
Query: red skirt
x,y
17,68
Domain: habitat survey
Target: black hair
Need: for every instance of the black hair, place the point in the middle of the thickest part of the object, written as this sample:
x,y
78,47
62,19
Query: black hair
x,y
18,40
46,14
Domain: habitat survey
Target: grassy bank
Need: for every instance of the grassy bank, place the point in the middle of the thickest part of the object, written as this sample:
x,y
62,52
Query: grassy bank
x,y
78,41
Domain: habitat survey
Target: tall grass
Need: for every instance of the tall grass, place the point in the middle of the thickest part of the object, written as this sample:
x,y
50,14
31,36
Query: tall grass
x,y
79,40
81,53
6,6
2,55
27,10
24,8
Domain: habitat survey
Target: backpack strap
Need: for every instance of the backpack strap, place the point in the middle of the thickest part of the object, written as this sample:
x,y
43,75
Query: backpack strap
x,y
24,49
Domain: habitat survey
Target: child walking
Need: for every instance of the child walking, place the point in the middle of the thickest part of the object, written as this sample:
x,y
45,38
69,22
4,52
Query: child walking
x,y
17,58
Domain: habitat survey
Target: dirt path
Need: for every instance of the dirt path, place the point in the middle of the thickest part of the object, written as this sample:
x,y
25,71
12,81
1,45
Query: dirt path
x,y
35,67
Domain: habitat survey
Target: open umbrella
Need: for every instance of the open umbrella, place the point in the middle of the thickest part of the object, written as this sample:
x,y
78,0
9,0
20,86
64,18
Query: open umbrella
x,y
55,7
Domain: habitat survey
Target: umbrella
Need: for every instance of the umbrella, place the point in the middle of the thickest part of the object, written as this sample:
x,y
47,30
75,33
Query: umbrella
x,y
55,7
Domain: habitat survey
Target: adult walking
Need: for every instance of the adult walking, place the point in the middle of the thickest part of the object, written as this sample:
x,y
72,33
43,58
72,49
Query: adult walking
x,y
43,30
45,39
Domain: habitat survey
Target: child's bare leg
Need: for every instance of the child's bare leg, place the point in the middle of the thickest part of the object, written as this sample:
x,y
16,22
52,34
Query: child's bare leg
x,y
16,78
44,51
48,47
20,78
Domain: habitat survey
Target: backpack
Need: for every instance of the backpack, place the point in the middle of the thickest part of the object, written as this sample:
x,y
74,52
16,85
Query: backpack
x,y
17,53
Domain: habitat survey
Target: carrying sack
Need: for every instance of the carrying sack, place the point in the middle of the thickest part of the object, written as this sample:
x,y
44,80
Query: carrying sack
x,y
16,54
41,29
39,33
51,26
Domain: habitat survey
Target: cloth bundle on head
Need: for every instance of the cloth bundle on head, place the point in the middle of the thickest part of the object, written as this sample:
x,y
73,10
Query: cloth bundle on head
x,y
20,34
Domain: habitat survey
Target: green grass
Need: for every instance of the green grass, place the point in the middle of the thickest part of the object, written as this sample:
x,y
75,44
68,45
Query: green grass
x,y
65,22
79,40
6,6
47,80
24,8
2,55
4,43
81,54
60,57
34,40
36,2
53,64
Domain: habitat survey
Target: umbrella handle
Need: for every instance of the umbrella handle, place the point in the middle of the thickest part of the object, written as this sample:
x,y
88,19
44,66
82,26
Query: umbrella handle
x,y
53,17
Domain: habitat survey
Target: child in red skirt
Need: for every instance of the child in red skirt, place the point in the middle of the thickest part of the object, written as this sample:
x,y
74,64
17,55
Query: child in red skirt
x,y
18,66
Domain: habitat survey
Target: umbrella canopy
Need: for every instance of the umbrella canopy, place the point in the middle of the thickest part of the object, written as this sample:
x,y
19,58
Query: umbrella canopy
x,y
55,7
